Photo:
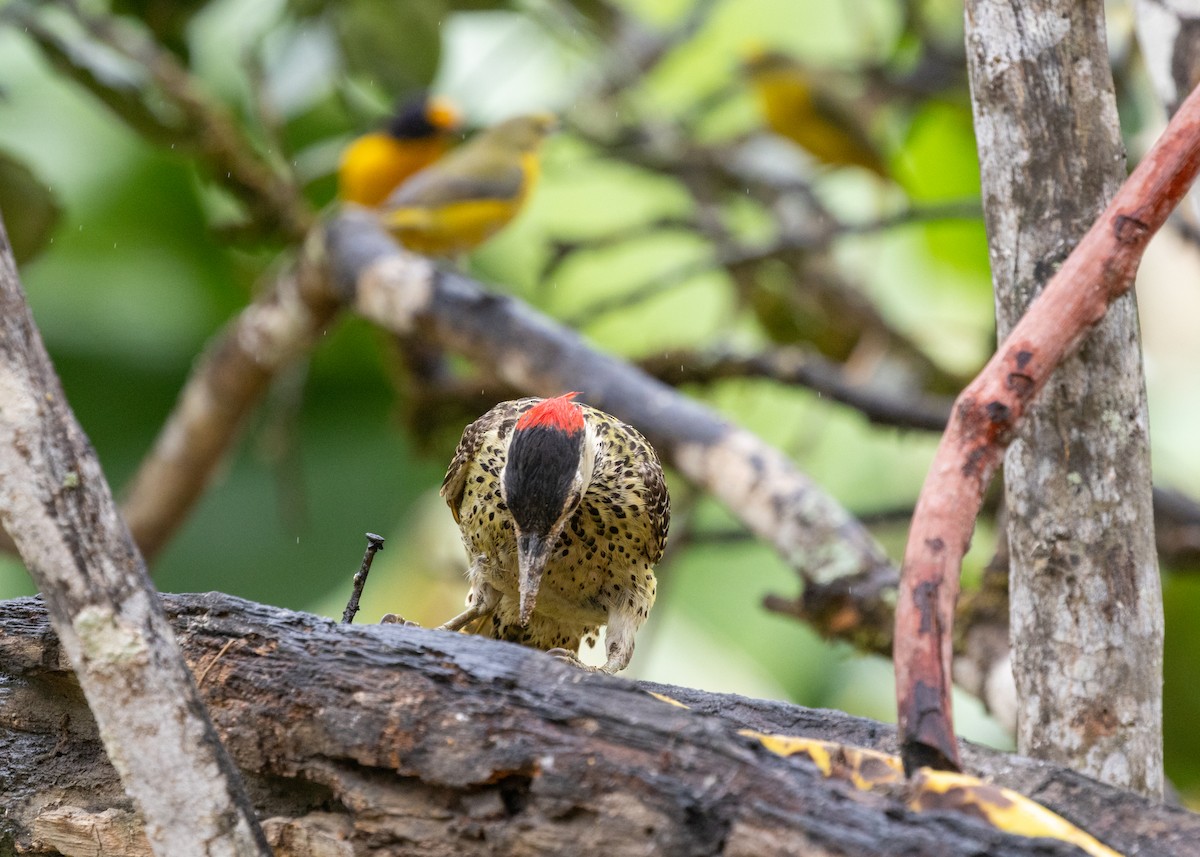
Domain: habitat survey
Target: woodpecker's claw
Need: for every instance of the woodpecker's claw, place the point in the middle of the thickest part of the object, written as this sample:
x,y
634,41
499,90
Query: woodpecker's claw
x,y
567,656
393,619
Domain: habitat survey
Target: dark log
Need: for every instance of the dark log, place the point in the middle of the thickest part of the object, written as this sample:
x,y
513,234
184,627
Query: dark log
x,y
393,740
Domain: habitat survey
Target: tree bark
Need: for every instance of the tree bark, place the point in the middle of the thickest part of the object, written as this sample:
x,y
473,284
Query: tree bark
x,y
391,740
57,507
1086,607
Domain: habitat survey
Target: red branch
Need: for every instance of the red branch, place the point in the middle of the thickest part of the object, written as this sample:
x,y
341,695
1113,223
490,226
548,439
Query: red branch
x,y
1098,271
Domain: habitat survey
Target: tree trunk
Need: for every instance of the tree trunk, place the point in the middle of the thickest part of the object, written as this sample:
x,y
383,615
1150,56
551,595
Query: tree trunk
x,y
378,739
1086,607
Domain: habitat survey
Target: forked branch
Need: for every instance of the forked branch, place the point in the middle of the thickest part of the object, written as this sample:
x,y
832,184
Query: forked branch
x,y
984,419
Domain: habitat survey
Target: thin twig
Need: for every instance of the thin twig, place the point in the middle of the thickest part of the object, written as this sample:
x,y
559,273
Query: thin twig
x,y
212,663
734,256
374,545
806,368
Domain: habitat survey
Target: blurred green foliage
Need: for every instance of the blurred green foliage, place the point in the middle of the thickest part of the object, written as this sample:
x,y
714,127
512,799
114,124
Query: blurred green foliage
x,y
135,280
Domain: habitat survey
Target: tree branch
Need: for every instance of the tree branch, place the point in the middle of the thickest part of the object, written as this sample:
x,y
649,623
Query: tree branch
x,y
197,123
1078,479
403,740
56,506
277,328
1098,271
401,292
802,367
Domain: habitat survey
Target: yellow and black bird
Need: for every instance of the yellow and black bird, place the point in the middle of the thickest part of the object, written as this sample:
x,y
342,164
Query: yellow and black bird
x,y
376,164
457,203
798,104
564,512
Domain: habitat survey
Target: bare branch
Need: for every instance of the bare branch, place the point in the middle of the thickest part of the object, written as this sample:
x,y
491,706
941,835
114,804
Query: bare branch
x,y
198,123
273,331
57,507
1097,272
805,368
402,292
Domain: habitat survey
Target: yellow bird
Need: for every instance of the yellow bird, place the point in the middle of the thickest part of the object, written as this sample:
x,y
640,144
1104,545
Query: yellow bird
x,y
796,105
375,164
464,199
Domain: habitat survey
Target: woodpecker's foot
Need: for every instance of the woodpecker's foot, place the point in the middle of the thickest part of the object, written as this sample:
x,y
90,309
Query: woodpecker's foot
x,y
393,619
567,656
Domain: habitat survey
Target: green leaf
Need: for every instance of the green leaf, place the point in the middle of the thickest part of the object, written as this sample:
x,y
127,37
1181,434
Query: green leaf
x,y
30,208
395,46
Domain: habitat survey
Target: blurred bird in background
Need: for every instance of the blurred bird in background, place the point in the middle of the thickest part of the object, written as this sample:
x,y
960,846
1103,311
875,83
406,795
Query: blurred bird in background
x,y
375,164
804,105
457,203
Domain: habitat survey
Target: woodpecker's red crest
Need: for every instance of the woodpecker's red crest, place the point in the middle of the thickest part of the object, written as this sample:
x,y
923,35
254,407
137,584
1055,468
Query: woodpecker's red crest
x,y
557,413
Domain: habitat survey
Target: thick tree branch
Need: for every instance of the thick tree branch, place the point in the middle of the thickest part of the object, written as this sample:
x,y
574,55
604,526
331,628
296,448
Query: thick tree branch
x,y
56,506
402,292
410,741
1097,272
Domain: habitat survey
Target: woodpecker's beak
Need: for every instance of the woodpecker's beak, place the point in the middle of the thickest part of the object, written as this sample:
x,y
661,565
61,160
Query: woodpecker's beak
x,y
532,553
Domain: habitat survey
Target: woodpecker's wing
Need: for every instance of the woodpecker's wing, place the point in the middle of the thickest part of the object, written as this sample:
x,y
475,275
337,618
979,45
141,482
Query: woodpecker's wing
x,y
658,504
494,426
649,485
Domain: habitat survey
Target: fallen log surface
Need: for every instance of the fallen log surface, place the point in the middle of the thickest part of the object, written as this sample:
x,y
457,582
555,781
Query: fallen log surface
x,y
369,739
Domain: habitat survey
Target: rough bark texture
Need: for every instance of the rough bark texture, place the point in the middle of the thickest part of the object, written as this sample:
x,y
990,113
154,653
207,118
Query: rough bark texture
x,y
57,507
392,740
1086,608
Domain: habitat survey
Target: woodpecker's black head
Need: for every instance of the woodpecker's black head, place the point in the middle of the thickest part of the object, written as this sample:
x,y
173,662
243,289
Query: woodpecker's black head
x,y
422,117
545,475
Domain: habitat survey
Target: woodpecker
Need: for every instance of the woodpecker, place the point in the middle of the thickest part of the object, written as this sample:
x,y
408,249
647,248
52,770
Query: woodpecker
x,y
564,512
